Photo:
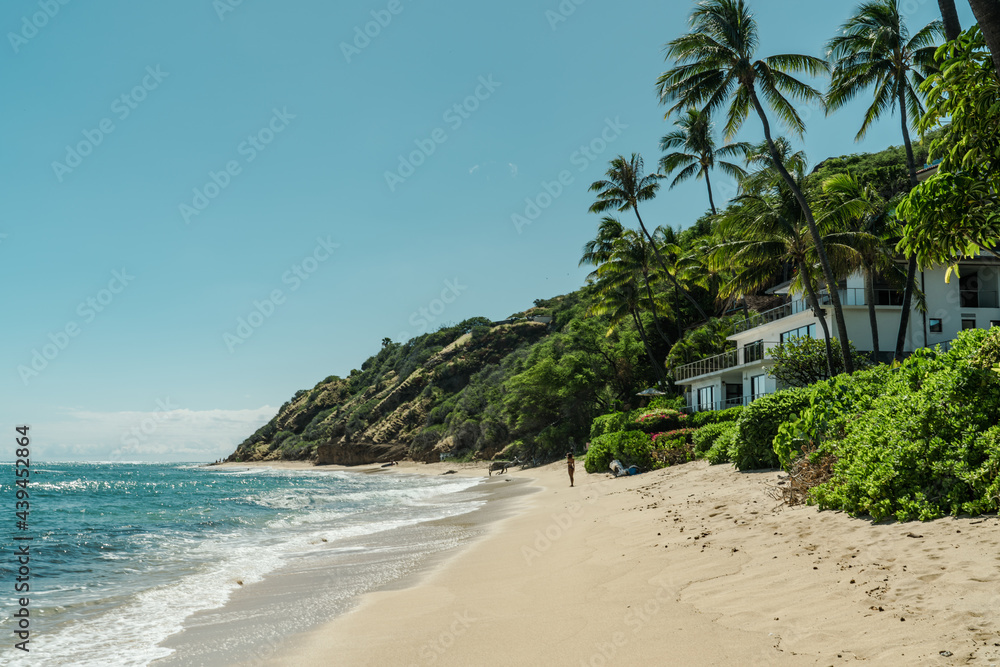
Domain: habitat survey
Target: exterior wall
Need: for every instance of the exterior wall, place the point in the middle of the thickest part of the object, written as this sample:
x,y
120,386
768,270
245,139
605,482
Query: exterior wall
x,y
944,302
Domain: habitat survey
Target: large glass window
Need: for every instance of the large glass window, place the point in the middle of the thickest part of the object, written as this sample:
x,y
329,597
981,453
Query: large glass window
x,y
706,398
756,387
808,331
968,289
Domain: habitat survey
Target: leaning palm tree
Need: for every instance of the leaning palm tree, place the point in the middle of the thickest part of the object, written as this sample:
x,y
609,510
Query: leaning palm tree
x,y
762,174
622,302
598,250
867,222
715,65
698,154
629,261
875,49
987,13
767,230
949,17
623,189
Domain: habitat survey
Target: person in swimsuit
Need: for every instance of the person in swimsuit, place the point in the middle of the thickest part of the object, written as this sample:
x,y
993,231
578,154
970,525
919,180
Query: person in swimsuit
x,y
570,466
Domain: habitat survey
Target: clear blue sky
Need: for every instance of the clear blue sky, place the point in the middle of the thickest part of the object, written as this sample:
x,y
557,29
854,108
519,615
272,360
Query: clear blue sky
x,y
299,132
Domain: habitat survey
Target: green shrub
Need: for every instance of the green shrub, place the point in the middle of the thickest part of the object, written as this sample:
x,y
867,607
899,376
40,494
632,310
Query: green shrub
x,y
758,424
706,436
801,361
612,423
699,419
672,439
659,420
281,436
920,453
668,402
720,450
630,447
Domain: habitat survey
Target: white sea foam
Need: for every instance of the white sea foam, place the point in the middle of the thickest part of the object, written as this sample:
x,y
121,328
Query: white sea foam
x,y
186,574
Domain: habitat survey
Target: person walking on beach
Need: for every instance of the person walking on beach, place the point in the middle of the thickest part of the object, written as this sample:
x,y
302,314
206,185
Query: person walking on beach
x,y
570,466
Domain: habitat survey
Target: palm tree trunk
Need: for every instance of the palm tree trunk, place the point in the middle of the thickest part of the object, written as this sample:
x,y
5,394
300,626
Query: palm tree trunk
x,y
652,307
663,265
820,315
952,26
649,350
911,270
872,317
711,200
988,15
831,281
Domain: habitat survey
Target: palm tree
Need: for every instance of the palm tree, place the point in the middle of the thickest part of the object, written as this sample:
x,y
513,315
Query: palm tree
x,y
768,230
987,13
715,65
619,303
949,16
598,250
695,137
764,173
868,224
624,260
874,48
623,189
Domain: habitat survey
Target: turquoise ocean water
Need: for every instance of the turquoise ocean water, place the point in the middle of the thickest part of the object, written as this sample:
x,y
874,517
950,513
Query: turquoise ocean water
x,y
123,553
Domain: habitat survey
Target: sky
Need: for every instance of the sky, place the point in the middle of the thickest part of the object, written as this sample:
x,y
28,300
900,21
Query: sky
x,y
210,205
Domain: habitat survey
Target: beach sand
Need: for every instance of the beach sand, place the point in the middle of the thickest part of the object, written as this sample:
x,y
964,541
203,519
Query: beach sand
x,y
692,565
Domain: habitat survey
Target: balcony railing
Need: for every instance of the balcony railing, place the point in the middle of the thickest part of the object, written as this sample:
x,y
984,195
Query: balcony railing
x,y
773,315
748,354
852,296
722,405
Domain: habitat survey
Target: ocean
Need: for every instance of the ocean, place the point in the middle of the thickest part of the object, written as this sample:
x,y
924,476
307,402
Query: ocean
x,y
125,555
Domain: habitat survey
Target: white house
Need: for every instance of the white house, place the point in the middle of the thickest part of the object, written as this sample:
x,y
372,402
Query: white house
x,y
740,375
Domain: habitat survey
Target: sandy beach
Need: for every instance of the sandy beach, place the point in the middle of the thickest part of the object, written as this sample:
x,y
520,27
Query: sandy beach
x,y
693,565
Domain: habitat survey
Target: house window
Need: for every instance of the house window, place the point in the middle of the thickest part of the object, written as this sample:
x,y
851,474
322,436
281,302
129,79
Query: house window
x,y
994,323
968,324
756,387
972,293
734,394
935,325
808,331
706,398
968,291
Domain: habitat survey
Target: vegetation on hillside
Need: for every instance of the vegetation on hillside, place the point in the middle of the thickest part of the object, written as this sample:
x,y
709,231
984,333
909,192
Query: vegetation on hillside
x,y
916,440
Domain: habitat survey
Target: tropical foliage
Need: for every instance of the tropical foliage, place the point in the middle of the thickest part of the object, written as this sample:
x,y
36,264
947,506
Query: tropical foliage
x,y
918,439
